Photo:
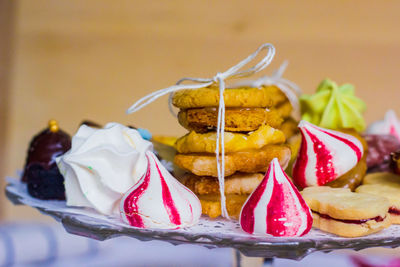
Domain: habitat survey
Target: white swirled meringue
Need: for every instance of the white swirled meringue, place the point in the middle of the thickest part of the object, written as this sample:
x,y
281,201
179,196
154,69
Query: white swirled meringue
x,y
389,125
324,155
102,165
158,200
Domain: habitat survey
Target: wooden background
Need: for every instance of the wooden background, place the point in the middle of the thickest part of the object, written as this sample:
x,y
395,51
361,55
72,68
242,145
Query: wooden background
x,y
91,59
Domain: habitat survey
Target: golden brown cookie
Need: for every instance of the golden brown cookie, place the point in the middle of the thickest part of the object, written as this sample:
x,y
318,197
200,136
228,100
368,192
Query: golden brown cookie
x,y
211,205
344,213
202,120
391,192
245,97
234,142
386,178
294,143
352,178
394,216
289,127
244,161
341,203
239,183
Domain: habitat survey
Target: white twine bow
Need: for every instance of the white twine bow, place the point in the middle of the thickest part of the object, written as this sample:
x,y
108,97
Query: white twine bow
x,y
289,88
234,72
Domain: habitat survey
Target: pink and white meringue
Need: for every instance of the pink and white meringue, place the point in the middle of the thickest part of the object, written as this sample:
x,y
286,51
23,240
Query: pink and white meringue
x,y
158,200
324,155
276,207
389,125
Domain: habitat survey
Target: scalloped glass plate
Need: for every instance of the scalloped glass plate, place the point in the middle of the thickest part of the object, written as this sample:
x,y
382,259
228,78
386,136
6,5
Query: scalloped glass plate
x,y
208,233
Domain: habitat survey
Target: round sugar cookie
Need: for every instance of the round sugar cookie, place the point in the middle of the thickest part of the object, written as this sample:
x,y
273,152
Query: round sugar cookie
x,y
211,205
202,120
243,161
386,178
341,203
248,97
239,183
289,127
389,191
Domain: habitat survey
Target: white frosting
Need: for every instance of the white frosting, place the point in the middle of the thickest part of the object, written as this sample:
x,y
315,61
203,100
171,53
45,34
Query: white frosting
x,y
344,157
158,198
389,125
102,165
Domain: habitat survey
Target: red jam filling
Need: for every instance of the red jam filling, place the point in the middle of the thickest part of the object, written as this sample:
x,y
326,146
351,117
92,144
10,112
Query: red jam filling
x,y
377,218
393,210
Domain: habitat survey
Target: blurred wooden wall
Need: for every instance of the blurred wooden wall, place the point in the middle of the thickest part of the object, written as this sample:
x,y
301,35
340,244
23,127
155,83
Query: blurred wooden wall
x,y
91,59
6,34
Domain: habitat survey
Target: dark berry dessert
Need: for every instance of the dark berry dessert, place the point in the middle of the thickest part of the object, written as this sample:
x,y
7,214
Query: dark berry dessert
x,y
41,172
379,149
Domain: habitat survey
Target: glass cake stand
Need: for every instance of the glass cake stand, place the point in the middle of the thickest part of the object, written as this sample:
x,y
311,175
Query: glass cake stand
x,y
208,233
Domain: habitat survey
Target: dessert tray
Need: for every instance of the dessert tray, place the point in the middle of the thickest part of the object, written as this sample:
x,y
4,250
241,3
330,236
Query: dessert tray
x,y
208,233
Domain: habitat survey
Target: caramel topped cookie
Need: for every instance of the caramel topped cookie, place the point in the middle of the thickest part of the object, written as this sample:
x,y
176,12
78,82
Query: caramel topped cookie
x,y
265,97
234,142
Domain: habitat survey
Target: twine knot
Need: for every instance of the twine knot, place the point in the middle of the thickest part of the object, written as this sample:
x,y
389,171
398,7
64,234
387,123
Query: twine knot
x,y
220,78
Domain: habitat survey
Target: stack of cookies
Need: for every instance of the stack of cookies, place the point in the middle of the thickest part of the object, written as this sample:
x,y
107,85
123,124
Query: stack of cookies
x,y
257,123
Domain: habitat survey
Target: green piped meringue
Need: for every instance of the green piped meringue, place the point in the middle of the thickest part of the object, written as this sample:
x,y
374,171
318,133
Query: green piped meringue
x,y
334,107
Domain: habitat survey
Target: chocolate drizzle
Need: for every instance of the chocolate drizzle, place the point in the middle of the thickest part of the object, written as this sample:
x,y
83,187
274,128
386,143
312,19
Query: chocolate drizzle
x,y
325,216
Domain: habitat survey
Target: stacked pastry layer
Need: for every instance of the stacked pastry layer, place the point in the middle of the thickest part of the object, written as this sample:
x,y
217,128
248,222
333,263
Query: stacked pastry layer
x,y
257,123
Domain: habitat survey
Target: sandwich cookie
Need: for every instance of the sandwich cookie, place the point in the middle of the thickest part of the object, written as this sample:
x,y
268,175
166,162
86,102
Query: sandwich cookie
x,y
391,192
202,120
264,96
342,212
206,143
385,178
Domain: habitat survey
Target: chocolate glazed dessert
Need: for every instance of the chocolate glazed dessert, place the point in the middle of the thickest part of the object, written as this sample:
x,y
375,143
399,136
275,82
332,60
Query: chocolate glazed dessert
x,y
41,172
